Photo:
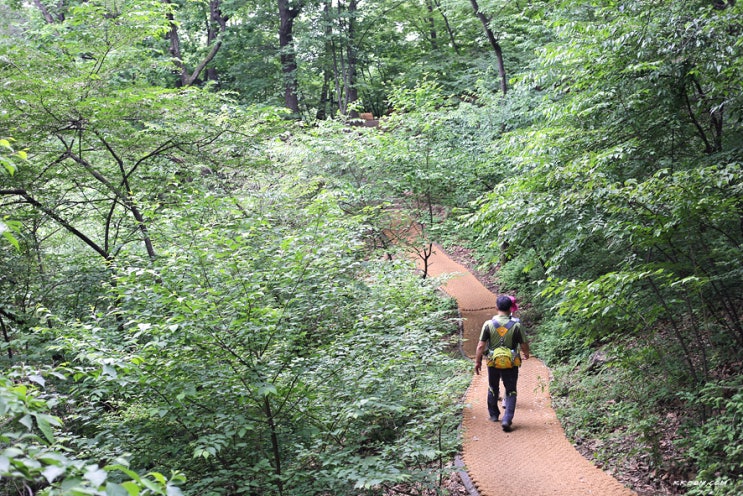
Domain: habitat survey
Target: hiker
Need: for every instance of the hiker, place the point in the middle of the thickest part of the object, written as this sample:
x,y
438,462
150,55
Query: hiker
x,y
502,331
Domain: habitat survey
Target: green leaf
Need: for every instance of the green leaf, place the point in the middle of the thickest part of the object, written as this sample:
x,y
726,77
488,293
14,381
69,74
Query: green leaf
x,y
131,488
158,477
121,468
37,379
173,491
114,489
51,472
152,486
110,371
27,421
7,234
53,458
267,390
97,476
44,423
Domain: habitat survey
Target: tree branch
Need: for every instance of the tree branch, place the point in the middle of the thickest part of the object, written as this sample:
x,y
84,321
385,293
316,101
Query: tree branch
x,y
195,75
62,222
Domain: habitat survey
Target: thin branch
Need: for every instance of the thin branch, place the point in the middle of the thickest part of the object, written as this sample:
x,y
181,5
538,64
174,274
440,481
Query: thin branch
x,y
62,222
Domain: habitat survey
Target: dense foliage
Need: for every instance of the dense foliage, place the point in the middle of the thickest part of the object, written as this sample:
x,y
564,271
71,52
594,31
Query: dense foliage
x,y
624,205
197,282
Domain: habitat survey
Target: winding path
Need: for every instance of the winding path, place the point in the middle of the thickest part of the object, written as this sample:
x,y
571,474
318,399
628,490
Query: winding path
x,y
535,458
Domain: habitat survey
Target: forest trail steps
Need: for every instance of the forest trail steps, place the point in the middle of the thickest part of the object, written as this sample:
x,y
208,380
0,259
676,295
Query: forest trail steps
x,y
536,458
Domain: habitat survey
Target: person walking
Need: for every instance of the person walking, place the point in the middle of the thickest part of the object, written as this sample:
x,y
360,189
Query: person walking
x,y
502,331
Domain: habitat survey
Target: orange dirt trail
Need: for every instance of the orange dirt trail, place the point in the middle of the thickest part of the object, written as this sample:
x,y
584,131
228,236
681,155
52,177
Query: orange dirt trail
x,y
536,458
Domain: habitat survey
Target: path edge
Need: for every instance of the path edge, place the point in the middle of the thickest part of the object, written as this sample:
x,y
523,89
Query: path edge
x,y
464,475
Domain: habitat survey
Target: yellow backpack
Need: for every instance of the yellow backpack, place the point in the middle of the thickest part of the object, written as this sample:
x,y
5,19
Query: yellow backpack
x,y
501,357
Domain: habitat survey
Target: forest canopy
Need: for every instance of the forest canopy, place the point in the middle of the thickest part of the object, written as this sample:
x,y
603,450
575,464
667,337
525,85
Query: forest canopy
x,y
206,284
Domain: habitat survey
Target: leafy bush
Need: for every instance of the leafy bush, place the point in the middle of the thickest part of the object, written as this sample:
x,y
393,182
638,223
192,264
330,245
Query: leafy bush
x,y
714,444
270,357
521,273
557,345
35,460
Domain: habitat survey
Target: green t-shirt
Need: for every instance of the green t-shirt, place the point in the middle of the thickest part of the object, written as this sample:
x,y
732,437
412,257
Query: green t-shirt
x,y
513,337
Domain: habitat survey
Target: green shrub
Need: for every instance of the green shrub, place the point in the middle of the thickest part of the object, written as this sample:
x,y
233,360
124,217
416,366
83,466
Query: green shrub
x,y
521,272
34,458
714,445
554,343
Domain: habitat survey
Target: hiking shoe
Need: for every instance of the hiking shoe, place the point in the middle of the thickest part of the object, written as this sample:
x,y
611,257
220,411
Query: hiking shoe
x,y
494,418
506,426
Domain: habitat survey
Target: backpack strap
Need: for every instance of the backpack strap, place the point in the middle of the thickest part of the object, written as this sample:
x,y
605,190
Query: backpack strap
x,y
507,325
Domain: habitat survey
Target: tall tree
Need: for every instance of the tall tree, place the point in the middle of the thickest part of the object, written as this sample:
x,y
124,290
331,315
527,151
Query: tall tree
x,y
325,103
346,57
352,91
288,12
216,24
447,24
485,20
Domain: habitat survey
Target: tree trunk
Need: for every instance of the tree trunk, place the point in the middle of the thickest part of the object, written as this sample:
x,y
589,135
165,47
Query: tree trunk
x,y
288,57
448,27
325,105
6,336
275,448
432,25
175,46
217,24
352,92
494,43
45,12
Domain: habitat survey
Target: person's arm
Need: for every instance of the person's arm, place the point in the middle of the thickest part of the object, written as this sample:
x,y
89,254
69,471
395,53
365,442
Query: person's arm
x,y
481,347
524,344
525,350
